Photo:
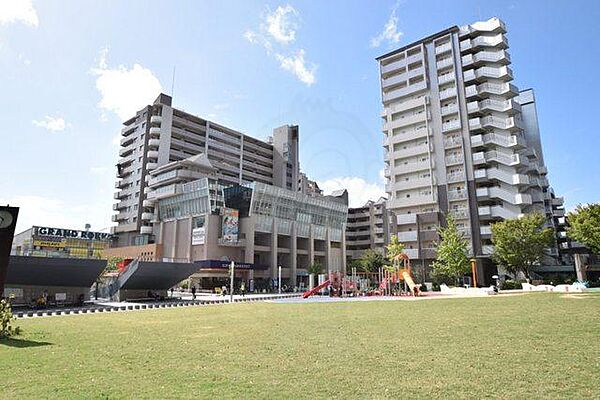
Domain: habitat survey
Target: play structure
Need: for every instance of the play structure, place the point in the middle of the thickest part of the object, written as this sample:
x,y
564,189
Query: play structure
x,y
389,278
399,272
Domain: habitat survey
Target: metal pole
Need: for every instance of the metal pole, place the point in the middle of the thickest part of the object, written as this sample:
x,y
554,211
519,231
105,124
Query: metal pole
x,y
232,267
279,279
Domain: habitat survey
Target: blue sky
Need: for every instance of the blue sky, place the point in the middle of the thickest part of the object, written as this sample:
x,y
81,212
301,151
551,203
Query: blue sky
x,y
71,70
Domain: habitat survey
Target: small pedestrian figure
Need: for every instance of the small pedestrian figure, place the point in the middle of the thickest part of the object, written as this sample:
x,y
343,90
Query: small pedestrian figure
x,y
171,292
194,292
243,289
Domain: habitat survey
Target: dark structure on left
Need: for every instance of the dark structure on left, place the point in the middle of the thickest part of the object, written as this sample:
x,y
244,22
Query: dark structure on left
x,y
8,222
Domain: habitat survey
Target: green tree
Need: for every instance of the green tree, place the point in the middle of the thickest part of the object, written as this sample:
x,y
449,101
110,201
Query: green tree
x,y
315,268
519,243
371,261
394,248
584,226
111,263
452,252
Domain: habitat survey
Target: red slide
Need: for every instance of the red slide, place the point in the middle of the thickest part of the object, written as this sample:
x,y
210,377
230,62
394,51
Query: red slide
x,y
314,290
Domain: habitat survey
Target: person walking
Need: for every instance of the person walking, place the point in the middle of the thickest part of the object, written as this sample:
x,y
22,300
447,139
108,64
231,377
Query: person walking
x,y
194,292
243,289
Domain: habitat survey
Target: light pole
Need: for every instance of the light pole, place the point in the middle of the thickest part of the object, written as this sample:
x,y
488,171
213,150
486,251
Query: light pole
x,y
279,279
232,268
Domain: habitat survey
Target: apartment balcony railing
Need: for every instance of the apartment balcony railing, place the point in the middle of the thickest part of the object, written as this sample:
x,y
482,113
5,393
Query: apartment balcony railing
x,y
454,159
400,63
457,195
446,62
443,48
452,109
451,142
445,78
155,119
482,57
450,126
461,213
455,177
154,131
153,143
410,236
406,219
450,92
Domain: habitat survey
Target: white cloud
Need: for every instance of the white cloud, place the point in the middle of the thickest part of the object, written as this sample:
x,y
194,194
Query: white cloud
x,y
276,31
298,66
123,90
282,24
53,124
390,31
12,11
24,59
39,210
359,190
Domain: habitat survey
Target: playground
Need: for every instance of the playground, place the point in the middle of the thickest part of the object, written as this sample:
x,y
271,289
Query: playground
x,y
536,345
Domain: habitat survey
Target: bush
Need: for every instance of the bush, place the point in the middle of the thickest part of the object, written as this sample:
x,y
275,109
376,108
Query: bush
x,y
6,318
510,285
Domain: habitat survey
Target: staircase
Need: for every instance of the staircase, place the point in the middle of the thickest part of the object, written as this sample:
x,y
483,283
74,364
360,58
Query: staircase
x,y
123,278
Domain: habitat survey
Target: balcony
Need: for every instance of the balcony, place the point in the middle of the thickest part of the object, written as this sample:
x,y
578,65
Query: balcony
x,y
447,93
483,57
410,184
446,62
455,177
126,141
497,212
443,48
454,159
496,192
406,219
451,109
403,77
152,154
498,41
455,195
411,201
151,166
147,216
460,213
411,89
155,119
401,63
485,89
124,152
412,151
452,142
451,126
154,131
146,230
406,121
496,156
412,167
481,74
153,143
502,176
445,78
405,137
119,217
410,236
148,203
486,230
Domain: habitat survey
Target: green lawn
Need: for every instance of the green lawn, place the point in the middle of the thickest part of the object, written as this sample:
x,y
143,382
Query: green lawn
x,y
532,346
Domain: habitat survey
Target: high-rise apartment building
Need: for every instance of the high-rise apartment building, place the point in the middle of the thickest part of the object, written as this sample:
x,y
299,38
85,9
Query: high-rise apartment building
x,y
160,134
369,227
459,138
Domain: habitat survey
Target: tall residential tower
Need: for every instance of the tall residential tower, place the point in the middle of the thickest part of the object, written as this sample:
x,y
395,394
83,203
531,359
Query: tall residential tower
x,y
456,140
160,134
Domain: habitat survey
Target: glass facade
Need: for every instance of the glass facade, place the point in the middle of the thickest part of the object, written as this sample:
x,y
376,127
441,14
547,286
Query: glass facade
x,y
284,204
202,196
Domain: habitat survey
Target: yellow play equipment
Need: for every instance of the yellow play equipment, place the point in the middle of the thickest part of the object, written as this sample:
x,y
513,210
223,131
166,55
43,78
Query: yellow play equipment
x,y
402,263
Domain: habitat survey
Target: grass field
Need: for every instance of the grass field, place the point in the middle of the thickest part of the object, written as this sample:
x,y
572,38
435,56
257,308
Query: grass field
x,y
531,346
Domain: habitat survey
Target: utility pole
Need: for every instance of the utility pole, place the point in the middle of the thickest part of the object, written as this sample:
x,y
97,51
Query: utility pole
x,y
232,268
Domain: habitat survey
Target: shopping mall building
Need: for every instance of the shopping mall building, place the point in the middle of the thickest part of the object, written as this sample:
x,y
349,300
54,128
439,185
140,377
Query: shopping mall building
x,y
258,226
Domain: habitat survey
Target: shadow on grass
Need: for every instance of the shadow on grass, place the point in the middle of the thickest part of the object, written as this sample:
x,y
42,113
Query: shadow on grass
x,y
20,343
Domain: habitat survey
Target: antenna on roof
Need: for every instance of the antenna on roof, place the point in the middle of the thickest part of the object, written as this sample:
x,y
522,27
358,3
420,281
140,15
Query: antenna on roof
x,y
173,82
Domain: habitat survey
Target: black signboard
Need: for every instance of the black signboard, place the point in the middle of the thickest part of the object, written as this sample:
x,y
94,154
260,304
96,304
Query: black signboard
x,y
8,222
